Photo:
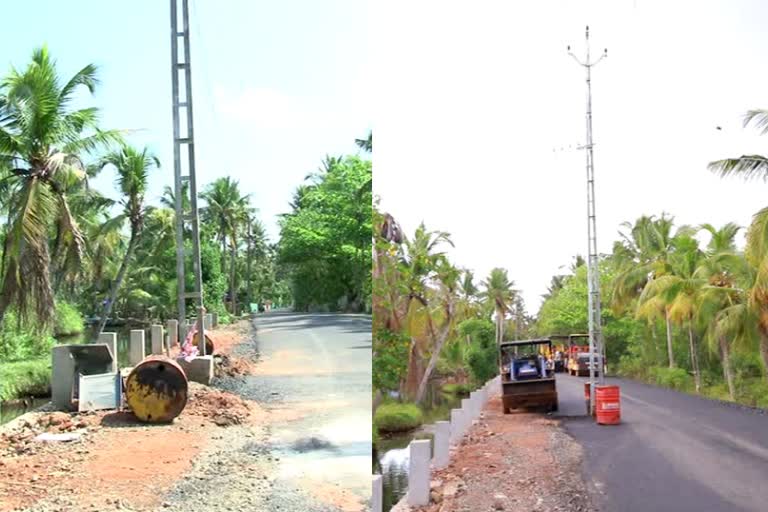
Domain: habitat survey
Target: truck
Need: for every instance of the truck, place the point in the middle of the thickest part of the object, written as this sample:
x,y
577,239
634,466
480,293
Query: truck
x,y
526,379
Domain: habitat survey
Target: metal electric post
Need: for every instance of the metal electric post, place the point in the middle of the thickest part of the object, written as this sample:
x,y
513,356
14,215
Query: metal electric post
x,y
593,271
184,105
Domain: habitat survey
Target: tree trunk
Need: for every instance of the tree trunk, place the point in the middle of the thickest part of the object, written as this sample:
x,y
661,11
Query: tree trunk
x,y
119,279
694,358
437,347
725,353
764,351
233,295
670,353
249,286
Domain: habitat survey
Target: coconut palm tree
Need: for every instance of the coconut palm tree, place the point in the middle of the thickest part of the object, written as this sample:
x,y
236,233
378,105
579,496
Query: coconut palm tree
x,y
746,166
367,143
499,292
44,137
749,167
226,211
680,291
643,255
133,167
724,302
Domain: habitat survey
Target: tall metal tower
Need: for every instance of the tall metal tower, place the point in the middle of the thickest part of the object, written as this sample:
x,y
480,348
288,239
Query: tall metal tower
x,y
593,271
182,104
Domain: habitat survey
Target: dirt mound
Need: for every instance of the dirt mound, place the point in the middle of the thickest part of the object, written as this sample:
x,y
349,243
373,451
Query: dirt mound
x,y
230,366
222,408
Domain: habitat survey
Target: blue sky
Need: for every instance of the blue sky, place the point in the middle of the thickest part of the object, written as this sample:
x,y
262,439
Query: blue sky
x,y
276,85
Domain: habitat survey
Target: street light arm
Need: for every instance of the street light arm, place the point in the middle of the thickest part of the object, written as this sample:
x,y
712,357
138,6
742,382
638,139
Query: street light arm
x,y
576,59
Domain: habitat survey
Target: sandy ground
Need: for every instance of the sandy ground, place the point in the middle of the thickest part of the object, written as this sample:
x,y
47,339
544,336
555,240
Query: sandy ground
x,y
516,462
118,462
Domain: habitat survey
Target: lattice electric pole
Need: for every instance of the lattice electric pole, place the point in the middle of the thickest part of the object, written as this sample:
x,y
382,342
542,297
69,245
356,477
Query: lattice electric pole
x,y
593,270
183,104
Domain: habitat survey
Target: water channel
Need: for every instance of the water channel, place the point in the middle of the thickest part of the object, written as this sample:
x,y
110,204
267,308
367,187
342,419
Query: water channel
x,y
391,455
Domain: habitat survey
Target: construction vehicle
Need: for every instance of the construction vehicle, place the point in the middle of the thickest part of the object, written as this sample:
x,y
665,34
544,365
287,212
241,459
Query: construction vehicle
x,y
525,379
579,364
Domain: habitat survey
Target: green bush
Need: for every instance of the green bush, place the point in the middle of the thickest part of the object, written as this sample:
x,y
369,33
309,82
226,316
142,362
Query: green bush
x,y
18,342
457,389
25,378
397,417
674,378
68,320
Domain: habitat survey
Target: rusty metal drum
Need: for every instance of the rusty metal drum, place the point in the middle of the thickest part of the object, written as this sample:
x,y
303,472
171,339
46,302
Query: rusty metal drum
x,y
156,390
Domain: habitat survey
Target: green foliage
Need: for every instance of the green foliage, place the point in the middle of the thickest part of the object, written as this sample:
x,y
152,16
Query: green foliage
x,y
18,342
326,240
482,356
397,417
674,378
390,359
25,378
457,389
68,320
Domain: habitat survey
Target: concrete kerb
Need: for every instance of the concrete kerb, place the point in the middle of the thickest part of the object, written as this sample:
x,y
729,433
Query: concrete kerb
x,y
456,422
136,348
442,442
418,472
172,326
156,339
110,339
377,494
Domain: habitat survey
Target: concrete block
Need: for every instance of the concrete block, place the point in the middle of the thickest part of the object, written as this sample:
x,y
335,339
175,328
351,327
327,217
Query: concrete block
x,y
62,377
377,494
136,348
474,400
456,425
418,473
466,404
172,326
208,321
442,444
215,319
110,339
199,369
156,337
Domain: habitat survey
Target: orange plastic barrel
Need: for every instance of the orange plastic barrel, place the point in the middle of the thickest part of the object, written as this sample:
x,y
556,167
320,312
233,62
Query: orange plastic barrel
x,y
608,405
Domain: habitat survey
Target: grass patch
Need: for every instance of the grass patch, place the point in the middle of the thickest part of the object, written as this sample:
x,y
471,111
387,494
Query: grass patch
x,y
457,389
68,320
397,417
25,378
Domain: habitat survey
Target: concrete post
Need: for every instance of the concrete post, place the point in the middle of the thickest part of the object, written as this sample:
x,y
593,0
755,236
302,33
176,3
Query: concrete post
x,y
62,377
215,317
442,444
418,473
466,405
136,348
474,400
208,321
456,425
173,332
110,339
377,494
156,338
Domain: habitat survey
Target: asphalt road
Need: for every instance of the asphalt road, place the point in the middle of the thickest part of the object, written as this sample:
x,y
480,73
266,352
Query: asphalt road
x,y
672,452
315,370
